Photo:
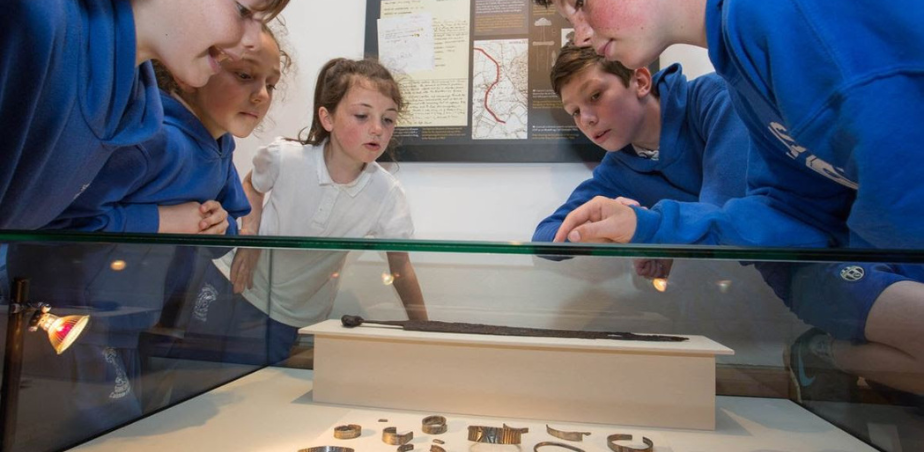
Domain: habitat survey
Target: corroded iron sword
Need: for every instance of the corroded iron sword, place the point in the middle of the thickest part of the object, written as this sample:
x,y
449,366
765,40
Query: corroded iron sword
x,y
352,321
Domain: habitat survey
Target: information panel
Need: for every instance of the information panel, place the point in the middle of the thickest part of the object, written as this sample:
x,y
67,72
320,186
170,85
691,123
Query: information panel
x,y
475,75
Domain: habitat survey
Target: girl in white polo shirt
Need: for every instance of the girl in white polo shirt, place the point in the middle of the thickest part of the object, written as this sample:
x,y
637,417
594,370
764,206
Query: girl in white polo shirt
x,y
325,185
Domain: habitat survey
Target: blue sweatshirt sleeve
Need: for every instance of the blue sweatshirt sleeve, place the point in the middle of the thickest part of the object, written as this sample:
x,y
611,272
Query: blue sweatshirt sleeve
x,y
602,183
725,153
101,206
759,219
233,199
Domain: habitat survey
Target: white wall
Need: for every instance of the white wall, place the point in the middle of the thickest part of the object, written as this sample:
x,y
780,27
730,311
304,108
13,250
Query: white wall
x,y
504,202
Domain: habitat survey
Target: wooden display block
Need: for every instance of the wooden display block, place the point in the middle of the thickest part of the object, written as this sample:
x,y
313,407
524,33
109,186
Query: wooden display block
x,y
656,384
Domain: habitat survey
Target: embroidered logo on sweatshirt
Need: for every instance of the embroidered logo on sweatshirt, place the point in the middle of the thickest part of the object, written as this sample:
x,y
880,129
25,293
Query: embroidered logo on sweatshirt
x,y
122,386
206,296
852,273
816,164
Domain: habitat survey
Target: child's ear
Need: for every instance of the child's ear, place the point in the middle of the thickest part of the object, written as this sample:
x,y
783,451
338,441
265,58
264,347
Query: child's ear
x,y
642,78
327,120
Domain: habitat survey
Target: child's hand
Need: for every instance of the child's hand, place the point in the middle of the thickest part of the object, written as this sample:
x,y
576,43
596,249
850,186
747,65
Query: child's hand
x,y
214,218
653,268
242,268
180,218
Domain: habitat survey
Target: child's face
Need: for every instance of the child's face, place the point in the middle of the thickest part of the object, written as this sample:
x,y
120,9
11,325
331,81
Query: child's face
x,y
623,30
606,111
237,98
203,34
362,125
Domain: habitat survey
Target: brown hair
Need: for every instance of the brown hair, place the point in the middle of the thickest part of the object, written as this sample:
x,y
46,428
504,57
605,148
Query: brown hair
x,y
573,59
335,79
273,7
166,82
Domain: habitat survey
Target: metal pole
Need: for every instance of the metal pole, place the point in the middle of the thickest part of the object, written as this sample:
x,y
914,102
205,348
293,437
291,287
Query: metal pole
x,y
12,364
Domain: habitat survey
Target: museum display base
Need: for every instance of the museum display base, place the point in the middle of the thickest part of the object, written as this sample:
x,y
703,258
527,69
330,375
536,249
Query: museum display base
x,y
655,384
272,410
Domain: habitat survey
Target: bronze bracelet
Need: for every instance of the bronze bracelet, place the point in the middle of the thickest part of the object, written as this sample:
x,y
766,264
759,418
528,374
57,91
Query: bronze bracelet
x,y
348,431
326,449
611,442
433,425
568,436
553,443
496,435
390,436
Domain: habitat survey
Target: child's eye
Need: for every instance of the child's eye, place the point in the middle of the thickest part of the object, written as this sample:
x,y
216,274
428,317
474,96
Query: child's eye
x,y
245,12
575,114
361,117
595,96
271,88
579,4
243,76
388,121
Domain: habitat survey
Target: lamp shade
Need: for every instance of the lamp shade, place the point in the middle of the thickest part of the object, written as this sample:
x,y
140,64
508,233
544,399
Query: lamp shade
x,y
62,331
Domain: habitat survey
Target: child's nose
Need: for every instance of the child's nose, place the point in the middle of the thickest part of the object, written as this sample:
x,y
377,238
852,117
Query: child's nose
x,y
582,31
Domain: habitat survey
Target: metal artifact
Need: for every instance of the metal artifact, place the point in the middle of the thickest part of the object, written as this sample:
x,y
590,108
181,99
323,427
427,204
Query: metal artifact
x,y
611,442
568,436
435,448
348,431
391,436
352,321
496,435
434,425
326,449
553,443
405,447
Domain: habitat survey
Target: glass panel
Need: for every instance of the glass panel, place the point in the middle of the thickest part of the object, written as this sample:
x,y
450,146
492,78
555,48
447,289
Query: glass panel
x,y
167,324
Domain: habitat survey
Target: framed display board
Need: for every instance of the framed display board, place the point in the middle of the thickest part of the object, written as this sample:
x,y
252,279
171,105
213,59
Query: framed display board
x,y
475,75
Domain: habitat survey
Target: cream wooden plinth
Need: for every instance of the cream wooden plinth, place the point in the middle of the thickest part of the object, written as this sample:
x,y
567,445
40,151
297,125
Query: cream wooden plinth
x,y
655,384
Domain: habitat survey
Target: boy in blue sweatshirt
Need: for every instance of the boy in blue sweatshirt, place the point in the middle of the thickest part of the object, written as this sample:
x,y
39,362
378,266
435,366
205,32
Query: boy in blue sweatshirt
x,y
832,105
666,137
75,85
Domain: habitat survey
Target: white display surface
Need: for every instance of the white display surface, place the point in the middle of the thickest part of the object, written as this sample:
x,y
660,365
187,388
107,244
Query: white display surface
x,y
653,384
272,410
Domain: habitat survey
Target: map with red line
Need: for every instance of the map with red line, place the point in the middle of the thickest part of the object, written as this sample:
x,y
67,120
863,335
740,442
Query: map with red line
x,y
499,89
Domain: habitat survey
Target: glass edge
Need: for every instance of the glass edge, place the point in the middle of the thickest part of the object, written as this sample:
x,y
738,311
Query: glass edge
x,y
479,247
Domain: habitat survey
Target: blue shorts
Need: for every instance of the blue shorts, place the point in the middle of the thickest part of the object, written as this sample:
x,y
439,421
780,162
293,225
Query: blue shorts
x,y
837,297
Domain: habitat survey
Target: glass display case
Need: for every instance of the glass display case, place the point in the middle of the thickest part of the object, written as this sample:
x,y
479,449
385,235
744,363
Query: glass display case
x,y
183,349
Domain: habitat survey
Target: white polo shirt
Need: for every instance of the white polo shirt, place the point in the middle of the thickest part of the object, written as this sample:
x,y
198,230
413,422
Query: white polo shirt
x,y
298,287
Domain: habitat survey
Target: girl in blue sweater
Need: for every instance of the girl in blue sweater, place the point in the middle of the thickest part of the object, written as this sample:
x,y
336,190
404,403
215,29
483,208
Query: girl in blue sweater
x,y
75,85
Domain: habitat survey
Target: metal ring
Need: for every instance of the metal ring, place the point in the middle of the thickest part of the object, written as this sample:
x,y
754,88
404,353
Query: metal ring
x,y
348,431
390,436
434,425
553,443
326,449
610,441
567,436
496,435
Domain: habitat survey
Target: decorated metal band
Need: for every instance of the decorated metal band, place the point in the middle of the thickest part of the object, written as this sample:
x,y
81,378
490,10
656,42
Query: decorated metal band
x,y
496,435
434,425
348,431
554,444
567,436
611,442
326,449
391,436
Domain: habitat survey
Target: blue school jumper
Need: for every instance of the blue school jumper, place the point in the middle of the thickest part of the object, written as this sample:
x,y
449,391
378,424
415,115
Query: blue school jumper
x,y
181,163
702,157
70,94
831,93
